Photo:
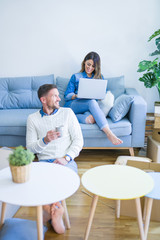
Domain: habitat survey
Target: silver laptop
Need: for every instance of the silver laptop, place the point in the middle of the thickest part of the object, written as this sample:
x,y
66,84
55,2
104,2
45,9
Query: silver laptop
x,y
92,88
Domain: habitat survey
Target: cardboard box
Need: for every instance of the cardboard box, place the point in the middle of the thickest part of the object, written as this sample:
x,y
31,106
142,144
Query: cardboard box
x,y
153,149
157,122
156,134
157,108
128,207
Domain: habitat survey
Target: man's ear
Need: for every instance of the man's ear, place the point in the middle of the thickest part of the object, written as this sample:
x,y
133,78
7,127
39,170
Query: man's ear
x,y
43,100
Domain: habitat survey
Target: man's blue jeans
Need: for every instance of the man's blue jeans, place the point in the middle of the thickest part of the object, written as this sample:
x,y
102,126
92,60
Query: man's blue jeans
x,y
72,164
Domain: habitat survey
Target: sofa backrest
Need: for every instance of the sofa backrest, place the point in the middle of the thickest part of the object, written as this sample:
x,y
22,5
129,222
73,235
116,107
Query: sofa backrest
x,y
21,92
62,83
115,85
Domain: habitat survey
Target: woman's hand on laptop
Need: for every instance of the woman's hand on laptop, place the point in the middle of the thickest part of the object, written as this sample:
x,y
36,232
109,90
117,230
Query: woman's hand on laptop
x,y
74,96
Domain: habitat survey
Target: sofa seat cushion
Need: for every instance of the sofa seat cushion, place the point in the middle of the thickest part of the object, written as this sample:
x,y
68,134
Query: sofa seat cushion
x,y
121,128
13,121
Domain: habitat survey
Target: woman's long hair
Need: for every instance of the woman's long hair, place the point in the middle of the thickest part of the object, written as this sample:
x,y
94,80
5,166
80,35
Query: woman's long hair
x,y
97,64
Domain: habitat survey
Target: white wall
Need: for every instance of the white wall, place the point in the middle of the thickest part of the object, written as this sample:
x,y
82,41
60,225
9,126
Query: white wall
x,y
40,37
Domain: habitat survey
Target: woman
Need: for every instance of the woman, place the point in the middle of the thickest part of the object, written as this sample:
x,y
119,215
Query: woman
x,y
88,110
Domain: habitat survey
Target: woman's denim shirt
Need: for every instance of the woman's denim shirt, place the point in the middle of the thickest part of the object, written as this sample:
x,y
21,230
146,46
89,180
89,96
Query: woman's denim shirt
x,y
72,87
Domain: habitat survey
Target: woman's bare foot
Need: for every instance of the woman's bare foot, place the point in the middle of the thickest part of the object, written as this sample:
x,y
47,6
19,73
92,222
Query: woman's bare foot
x,y
111,136
57,218
46,213
90,119
115,140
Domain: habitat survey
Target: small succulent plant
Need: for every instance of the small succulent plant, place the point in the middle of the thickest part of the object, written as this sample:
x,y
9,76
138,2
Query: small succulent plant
x,y
20,156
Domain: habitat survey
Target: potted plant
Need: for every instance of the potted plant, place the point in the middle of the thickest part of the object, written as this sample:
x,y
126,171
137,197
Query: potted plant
x,y
152,68
20,164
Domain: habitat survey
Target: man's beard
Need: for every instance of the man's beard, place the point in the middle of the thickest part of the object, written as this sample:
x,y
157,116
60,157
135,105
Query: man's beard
x,y
53,107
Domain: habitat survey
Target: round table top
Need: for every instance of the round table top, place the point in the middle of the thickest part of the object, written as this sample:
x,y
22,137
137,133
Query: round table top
x,y
117,182
48,183
155,193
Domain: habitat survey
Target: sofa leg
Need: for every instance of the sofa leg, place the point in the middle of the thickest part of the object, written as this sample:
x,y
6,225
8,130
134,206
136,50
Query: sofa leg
x,y
131,151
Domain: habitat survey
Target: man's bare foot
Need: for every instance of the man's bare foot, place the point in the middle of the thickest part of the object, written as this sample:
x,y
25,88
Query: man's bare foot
x,y
115,140
57,218
46,213
90,119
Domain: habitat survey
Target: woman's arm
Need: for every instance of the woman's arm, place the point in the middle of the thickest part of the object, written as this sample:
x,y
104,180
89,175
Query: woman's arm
x,y
70,91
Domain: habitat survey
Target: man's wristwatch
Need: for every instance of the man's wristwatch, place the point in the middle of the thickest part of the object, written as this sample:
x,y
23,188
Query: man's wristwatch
x,y
68,158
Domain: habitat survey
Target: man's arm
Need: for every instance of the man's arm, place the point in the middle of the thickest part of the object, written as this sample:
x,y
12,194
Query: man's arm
x,y
32,142
76,136
76,139
51,135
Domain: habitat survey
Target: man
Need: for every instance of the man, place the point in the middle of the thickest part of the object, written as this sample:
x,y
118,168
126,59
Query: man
x,y
51,145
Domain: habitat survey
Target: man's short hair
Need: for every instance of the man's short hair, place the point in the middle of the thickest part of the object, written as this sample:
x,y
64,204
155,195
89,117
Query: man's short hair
x,y
44,89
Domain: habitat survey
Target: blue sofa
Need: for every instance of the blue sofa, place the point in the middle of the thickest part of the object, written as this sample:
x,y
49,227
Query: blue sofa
x,y
18,99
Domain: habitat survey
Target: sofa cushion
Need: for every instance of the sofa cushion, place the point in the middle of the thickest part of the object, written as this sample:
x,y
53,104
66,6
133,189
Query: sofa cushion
x,y
62,85
121,107
121,128
116,85
107,103
18,229
21,92
13,121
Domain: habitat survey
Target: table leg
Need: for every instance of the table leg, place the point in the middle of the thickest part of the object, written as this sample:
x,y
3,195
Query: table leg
x,y
66,217
148,215
3,212
139,218
118,208
40,222
144,209
91,215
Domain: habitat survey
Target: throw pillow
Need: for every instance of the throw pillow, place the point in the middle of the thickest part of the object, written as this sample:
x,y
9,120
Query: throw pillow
x,y
15,228
107,103
121,107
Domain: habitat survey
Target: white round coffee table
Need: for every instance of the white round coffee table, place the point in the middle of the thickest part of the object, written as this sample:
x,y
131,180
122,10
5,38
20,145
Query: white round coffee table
x,y
117,182
49,183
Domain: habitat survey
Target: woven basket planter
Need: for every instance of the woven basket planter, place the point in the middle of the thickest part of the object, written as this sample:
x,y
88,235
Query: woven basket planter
x,y
20,174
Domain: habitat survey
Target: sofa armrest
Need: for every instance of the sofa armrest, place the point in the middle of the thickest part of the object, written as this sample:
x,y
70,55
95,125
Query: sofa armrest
x,y
137,117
